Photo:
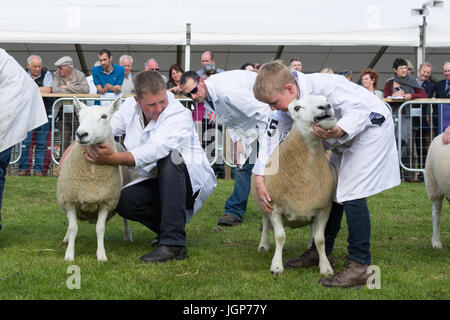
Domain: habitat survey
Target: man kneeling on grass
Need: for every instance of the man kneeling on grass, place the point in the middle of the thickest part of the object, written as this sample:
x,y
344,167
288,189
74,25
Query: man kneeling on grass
x,y
174,174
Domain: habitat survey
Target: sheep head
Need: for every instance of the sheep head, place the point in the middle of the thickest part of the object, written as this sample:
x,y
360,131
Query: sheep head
x,y
94,125
312,109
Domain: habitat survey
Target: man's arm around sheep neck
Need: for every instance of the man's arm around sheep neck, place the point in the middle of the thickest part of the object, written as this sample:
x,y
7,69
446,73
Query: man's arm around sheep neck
x,y
104,154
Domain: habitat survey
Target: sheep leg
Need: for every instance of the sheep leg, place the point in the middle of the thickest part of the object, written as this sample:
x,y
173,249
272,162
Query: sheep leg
x,y
264,243
127,236
436,218
319,239
100,228
311,236
71,234
280,236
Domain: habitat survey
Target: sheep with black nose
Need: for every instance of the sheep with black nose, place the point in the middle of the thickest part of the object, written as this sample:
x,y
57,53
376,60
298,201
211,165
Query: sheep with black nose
x,y
89,191
302,188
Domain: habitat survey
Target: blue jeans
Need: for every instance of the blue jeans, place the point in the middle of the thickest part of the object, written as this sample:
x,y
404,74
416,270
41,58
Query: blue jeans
x,y
40,142
236,204
4,162
358,222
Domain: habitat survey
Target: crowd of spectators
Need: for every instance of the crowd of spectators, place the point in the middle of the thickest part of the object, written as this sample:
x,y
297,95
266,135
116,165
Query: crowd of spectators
x,y
112,80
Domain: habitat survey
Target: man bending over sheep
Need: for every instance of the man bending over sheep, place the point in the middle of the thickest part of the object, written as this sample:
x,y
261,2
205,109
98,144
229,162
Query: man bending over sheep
x,y
174,174
363,161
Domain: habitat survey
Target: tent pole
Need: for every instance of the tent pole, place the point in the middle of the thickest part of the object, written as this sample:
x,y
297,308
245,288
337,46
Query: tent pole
x,y
81,58
187,60
278,53
375,59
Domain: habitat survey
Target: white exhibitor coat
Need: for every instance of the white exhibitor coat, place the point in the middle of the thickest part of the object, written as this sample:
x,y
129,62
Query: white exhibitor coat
x,y
364,161
174,129
231,93
21,105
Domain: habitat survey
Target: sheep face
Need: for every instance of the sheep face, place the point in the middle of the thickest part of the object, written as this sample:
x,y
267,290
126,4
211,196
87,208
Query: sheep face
x,y
94,125
313,109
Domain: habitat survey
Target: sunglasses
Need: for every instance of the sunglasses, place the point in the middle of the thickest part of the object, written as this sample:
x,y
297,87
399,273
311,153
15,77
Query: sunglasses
x,y
193,91
153,69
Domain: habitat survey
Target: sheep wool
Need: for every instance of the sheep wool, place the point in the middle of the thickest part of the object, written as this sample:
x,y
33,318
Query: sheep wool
x,y
87,185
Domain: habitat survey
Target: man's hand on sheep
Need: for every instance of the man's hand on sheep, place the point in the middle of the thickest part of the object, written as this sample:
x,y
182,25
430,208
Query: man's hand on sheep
x,y
264,198
238,150
336,132
102,153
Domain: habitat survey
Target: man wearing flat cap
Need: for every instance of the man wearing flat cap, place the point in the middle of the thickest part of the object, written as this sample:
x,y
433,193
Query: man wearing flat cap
x,y
67,80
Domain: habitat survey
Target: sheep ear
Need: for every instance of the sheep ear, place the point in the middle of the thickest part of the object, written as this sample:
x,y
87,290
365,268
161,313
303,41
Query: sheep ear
x,y
78,105
116,105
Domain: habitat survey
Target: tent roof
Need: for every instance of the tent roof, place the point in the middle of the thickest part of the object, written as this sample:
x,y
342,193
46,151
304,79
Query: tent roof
x,y
214,22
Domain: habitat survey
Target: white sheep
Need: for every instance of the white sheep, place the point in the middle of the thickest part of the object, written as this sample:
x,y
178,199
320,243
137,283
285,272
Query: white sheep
x,y
437,182
302,188
89,191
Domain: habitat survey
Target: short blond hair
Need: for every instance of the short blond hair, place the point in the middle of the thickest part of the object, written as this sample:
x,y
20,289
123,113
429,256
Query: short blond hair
x,y
272,78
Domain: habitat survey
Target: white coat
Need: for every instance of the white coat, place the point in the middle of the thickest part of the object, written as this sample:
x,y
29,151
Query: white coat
x,y
21,105
174,129
364,161
234,103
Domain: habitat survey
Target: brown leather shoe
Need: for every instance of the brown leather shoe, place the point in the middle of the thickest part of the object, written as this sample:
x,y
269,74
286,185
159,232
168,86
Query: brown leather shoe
x,y
22,173
353,275
309,258
228,220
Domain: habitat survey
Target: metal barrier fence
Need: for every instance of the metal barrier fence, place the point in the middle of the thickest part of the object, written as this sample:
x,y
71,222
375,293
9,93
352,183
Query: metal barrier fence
x,y
212,135
410,119
418,122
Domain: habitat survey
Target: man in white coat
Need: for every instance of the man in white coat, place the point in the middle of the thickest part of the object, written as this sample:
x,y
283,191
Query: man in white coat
x,y
174,174
21,110
230,95
363,162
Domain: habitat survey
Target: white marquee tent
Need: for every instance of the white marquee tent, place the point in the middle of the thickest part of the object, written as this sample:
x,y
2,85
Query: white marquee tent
x,y
341,34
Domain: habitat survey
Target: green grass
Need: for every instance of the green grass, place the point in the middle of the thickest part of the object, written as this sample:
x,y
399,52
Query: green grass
x,y
222,264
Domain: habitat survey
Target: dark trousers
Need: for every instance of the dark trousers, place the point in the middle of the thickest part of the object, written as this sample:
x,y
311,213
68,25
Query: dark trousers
x,y
161,203
358,222
4,162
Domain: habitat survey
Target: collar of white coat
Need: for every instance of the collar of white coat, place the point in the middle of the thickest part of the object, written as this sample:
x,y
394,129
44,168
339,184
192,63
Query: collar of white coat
x,y
152,124
303,85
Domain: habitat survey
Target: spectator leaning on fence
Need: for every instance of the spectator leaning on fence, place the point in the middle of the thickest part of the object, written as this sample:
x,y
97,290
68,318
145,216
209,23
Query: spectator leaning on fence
x,y
423,78
152,65
66,79
126,61
443,86
108,77
21,107
404,85
369,80
44,80
207,58
175,72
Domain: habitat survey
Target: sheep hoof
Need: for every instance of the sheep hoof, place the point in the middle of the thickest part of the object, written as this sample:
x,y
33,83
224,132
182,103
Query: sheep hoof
x,y
263,248
68,258
101,256
436,244
277,271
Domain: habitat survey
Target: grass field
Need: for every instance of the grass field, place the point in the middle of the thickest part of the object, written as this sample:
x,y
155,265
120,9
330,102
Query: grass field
x,y
223,263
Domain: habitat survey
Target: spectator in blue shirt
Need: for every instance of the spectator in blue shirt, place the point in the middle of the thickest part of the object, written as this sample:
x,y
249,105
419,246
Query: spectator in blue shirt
x,y
108,77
